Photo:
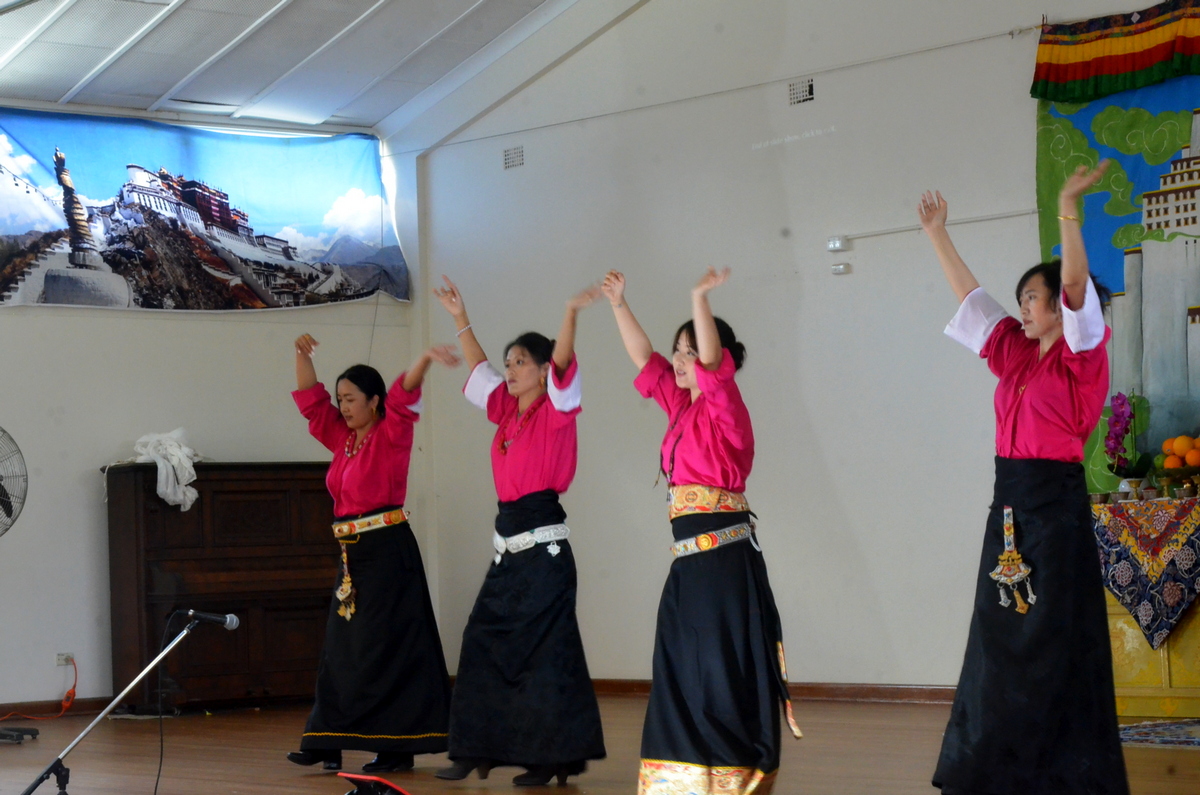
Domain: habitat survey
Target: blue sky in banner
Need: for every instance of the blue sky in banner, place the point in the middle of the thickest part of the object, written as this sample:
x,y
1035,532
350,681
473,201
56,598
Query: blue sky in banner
x,y
1179,94
310,191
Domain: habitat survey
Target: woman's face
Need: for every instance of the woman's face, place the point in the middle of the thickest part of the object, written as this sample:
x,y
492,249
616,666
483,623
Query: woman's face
x,y
522,373
1040,311
358,412
684,361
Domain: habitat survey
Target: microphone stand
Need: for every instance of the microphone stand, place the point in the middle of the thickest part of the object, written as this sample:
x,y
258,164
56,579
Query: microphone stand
x,y
56,768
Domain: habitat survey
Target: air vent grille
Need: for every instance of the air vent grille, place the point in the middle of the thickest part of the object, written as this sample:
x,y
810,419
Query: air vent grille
x,y
800,91
514,157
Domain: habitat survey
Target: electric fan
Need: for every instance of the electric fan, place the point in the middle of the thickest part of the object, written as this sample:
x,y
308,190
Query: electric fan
x,y
13,481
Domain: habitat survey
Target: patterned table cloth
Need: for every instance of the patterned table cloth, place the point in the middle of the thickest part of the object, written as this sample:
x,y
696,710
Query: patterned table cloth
x,y
1150,554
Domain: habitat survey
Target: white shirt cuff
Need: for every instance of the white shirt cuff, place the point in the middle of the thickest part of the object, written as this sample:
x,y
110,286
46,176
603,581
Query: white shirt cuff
x,y
415,408
975,320
567,397
483,381
1083,328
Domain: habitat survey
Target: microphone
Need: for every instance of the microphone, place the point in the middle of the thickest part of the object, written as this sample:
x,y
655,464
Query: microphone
x,y
229,620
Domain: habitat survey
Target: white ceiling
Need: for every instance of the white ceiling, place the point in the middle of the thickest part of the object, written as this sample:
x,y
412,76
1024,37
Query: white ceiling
x,y
331,63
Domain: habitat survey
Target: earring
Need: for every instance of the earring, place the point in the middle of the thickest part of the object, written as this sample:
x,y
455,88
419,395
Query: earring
x,y
542,382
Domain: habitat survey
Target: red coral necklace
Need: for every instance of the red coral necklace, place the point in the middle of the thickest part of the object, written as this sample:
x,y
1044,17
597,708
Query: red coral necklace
x,y
521,422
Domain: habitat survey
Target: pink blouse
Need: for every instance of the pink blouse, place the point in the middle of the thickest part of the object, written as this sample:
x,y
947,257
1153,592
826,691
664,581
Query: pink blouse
x,y
536,450
1047,407
709,442
377,475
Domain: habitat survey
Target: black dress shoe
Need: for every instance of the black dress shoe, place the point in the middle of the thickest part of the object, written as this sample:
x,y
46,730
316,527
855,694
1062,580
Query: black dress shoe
x,y
332,760
540,775
389,761
461,768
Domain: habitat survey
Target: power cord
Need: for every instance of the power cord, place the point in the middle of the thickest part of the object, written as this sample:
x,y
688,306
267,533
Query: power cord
x,y
67,701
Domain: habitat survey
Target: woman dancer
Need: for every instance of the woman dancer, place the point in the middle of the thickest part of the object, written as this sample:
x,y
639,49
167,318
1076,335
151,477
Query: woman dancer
x,y
1034,712
712,724
523,695
382,683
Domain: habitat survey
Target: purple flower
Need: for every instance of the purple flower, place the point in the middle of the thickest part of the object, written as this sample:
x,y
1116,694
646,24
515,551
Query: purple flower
x,y
1119,426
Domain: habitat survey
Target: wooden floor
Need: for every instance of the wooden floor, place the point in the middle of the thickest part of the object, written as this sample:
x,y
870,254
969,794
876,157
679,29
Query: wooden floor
x,y
848,749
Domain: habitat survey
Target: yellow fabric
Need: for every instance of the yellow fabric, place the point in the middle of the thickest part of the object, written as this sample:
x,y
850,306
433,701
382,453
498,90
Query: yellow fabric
x,y
690,499
662,777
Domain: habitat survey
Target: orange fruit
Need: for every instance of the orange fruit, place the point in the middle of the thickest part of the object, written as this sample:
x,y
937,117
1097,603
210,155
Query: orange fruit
x,y
1169,446
1182,445
1173,462
1192,458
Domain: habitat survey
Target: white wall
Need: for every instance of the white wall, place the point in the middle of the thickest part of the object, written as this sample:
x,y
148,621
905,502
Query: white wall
x,y
644,152
873,470
79,386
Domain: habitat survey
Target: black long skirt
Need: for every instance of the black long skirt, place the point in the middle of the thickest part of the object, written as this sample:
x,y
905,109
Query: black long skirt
x,y
382,683
523,695
713,721
1035,712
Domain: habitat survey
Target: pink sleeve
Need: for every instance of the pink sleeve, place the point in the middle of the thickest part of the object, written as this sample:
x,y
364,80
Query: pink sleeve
x,y
657,380
1005,335
1089,365
724,399
325,422
498,403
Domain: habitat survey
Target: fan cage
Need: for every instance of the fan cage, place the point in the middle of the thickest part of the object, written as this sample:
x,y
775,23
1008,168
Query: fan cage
x,y
14,481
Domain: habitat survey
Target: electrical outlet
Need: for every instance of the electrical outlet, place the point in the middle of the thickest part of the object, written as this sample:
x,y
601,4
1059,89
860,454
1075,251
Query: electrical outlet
x,y
64,658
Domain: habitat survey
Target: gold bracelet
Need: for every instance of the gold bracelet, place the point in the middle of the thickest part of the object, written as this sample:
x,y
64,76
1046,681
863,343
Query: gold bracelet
x,y
1069,218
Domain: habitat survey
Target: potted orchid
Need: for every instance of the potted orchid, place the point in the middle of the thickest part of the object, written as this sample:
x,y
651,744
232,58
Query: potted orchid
x,y
1127,415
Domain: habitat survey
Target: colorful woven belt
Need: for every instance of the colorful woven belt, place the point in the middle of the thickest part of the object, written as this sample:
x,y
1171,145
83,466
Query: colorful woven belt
x,y
705,499
372,522
342,531
706,541
550,534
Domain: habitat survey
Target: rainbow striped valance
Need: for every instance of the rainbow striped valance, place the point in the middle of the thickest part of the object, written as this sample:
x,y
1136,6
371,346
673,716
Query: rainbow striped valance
x,y
1083,61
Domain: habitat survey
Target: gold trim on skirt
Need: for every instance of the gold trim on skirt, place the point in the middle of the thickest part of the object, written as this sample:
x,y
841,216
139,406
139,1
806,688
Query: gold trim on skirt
x,y
662,777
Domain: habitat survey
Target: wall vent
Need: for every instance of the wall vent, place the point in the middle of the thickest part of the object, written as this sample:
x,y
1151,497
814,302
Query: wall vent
x,y
800,91
514,157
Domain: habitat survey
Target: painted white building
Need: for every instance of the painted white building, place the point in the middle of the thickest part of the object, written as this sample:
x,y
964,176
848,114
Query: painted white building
x,y
145,188
1156,321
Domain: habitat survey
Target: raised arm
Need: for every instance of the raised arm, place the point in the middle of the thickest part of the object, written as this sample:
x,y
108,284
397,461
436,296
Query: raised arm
x,y
306,374
452,300
932,211
637,344
564,346
443,354
708,342
1074,256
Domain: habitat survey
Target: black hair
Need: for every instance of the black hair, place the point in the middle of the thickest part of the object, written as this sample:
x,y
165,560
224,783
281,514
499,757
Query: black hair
x,y
368,379
540,347
1051,273
724,332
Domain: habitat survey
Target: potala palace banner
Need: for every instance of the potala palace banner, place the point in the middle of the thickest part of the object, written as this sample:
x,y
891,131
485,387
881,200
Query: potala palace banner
x,y
1127,88
128,213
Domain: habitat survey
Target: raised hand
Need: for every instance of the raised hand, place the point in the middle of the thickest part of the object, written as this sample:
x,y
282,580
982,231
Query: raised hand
x,y
932,211
613,287
445,354
584,298
451,298
306,345
1081,181
712,279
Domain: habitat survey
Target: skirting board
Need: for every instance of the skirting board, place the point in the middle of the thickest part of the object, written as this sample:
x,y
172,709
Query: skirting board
x,y
45,709
802,691
811,691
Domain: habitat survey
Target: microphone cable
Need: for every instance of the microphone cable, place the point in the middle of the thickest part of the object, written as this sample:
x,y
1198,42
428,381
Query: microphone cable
x,y
161,732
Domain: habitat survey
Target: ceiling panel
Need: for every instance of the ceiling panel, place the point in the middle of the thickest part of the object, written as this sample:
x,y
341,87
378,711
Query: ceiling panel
x,y
99,23
169,53
15,25
490,20
337,75
270,52
290,68
47,71
377,103
434,61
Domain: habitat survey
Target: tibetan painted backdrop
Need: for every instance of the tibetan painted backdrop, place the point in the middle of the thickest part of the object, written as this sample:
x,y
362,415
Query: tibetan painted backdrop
x,y
128,213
